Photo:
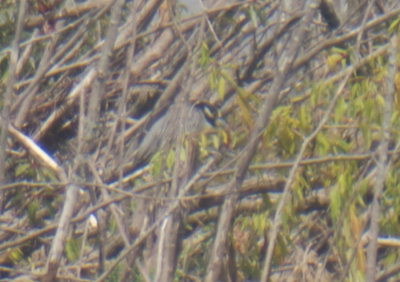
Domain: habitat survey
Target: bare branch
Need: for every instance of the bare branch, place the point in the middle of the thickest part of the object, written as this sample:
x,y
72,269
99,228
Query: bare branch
x,y
382,161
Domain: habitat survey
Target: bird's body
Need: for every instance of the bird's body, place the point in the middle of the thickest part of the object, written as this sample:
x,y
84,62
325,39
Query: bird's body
x,y
162,135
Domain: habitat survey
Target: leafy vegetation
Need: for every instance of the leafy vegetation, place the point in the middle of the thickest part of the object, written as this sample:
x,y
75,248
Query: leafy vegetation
x,y
296,181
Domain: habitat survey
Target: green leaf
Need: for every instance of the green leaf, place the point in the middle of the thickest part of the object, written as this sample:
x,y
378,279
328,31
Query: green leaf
x,y
253,16
156,164
112,226
33,208
221,88
304,119
72,249
22,168
341,145
380,100
204,55
286,138
215,141
245,112
367,135
340,109
333,60
203,141
170,159
394,25
46,174
322,144
213,79
335,202
16,255
313,96
260,222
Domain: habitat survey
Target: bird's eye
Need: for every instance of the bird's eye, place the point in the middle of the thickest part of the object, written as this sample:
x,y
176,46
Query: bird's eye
x,y
210,113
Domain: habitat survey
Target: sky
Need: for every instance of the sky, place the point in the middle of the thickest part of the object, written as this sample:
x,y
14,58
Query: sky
x,y
192,6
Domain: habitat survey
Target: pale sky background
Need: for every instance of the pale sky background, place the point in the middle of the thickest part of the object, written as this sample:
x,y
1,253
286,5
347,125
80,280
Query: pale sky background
x,y
192,6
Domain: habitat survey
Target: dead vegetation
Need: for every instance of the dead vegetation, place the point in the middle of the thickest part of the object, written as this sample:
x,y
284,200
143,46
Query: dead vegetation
x,y
279,188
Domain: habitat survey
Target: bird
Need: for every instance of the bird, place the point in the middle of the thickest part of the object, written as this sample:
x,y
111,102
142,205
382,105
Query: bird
x,y
163,133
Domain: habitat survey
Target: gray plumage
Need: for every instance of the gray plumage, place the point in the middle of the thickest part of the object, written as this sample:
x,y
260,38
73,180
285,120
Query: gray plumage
x,y
162,135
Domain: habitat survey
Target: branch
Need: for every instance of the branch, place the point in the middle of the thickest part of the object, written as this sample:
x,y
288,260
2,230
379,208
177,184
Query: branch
x,y
225,219
5,114
382,161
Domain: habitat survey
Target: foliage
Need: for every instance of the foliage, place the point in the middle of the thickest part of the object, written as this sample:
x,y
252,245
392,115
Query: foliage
x,y
329,114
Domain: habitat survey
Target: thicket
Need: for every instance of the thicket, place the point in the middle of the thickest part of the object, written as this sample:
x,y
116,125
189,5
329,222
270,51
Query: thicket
x,y
298,181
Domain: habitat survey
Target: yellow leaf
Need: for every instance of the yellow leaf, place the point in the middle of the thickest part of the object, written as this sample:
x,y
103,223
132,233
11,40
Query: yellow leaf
x,y
397,86
170,159
244,111
333,60
221,88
